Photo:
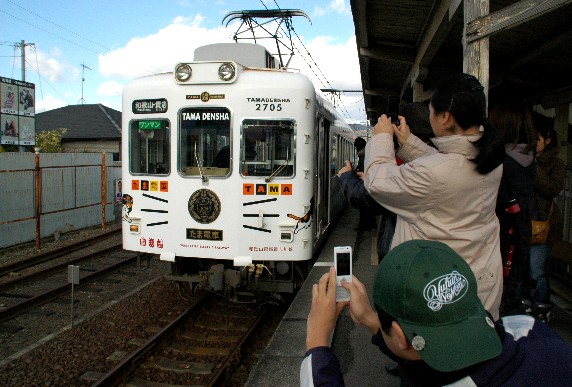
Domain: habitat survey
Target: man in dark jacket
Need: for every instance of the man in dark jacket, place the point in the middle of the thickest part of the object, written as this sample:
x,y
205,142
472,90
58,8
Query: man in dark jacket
x,y
429,318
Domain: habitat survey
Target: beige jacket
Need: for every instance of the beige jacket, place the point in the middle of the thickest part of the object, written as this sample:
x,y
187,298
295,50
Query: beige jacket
x,y
438,195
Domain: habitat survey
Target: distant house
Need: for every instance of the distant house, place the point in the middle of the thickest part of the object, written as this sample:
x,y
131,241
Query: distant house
x,y
91,128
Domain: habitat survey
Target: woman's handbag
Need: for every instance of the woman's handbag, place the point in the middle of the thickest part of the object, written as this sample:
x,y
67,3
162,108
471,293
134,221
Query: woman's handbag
x,y
540,229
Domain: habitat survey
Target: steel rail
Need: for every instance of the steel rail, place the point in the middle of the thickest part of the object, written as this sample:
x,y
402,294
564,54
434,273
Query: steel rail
x,y
20,265
23,306
124,368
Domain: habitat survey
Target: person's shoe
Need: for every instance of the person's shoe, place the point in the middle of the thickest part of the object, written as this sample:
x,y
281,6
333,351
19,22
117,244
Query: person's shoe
x,y
542,312
526,307
392,369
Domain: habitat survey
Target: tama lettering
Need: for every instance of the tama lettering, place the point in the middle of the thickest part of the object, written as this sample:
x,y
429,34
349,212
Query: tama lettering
x,y
205,116
266,189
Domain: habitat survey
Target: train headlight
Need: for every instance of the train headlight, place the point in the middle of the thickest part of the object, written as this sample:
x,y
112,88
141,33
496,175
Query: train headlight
x,y
226,71
183,72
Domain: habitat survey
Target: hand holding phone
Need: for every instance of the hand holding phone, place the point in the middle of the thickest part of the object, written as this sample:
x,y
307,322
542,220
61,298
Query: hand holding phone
x,y
343,264
393,109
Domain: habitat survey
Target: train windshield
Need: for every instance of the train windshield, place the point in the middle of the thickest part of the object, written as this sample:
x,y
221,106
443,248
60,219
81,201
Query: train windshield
x,y
205,146
267,148
149,147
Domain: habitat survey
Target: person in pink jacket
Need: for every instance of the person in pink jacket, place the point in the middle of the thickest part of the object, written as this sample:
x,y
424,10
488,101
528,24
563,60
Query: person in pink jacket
x,y
446,194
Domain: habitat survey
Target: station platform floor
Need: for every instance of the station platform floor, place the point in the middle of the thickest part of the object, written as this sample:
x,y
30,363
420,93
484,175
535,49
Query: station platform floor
x,y
362,362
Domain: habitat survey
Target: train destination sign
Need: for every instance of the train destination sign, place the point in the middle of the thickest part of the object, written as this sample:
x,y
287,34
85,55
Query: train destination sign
x,y
148,106
149,124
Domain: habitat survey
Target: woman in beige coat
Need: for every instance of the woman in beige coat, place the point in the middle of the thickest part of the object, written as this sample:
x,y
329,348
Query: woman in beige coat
x,y
446,194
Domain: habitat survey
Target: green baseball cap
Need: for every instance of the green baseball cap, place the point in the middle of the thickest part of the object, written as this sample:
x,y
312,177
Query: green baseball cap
x,y
432,293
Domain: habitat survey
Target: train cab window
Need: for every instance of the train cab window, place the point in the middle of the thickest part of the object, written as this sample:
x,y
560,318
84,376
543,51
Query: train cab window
x,y
267,148
205,146
149,148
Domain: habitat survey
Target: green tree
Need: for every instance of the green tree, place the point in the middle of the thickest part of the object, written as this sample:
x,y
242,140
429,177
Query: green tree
x,y
50,141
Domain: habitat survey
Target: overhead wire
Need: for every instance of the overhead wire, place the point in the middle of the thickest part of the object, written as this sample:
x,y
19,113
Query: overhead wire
x,y
57,25
319,77
38,66
148,69
45,80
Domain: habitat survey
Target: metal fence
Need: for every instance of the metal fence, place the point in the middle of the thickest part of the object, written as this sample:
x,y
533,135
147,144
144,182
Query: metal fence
x,y
50,193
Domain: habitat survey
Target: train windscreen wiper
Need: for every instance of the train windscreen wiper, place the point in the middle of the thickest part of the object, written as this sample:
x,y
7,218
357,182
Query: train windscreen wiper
x,y
279,169
203,177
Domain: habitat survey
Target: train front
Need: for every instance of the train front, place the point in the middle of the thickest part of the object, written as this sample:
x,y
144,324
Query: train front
x,y
218,169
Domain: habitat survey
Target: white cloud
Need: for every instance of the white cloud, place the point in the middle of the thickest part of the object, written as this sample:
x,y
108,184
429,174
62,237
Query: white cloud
x,y
48,103
318,12
160,51
336,60
110,88
52,67
340,6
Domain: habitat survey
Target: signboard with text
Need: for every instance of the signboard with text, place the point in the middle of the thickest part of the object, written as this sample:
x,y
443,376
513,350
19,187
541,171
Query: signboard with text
x,y
17,112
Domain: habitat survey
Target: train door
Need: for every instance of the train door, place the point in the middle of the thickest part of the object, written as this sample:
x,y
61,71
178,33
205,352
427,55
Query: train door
x,y
323,181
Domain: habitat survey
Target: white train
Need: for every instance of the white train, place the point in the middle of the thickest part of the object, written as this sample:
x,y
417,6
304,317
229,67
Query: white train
x,y
228,166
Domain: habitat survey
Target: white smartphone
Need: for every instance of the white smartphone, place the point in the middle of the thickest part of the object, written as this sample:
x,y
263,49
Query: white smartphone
x,y
343,265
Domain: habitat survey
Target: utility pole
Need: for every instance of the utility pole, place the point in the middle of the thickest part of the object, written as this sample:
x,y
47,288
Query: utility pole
x,y
83,67
22,45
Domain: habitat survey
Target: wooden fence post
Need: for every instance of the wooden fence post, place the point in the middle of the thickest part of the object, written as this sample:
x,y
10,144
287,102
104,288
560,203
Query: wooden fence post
x,y
37,193
103,188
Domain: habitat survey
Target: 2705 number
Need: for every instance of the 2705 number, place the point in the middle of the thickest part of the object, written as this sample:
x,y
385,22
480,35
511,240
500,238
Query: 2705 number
x,y
269,106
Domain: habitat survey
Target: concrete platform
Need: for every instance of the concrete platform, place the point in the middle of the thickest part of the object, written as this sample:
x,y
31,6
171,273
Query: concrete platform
x,y
362,362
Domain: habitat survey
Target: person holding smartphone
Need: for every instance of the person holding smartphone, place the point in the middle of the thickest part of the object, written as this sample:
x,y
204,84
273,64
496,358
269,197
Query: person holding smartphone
x,y
428,317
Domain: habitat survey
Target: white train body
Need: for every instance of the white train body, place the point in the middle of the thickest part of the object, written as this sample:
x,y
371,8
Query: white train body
x,y
234,171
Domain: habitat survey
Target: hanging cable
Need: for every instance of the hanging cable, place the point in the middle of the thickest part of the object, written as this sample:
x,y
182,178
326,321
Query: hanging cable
x,y
49,84
59,26
39,77
319,77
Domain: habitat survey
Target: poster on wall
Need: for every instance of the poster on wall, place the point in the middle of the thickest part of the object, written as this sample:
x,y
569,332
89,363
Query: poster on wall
x,y
26,131
9,129
17,112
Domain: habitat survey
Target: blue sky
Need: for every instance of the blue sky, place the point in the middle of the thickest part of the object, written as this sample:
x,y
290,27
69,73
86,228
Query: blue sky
x,y
122,40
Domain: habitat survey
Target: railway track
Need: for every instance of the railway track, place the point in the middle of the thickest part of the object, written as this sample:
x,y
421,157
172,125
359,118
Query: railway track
x,y
58,254
199,347
44,277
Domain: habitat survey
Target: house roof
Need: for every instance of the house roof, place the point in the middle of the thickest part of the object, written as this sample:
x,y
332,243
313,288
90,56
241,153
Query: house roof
x,y
83,122
405,41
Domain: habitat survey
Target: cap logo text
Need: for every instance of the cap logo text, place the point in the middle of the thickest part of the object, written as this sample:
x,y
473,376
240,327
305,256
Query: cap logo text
x,y
446,289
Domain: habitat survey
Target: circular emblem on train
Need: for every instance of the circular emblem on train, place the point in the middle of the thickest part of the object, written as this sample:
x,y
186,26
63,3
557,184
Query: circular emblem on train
x,y
205,96
204,206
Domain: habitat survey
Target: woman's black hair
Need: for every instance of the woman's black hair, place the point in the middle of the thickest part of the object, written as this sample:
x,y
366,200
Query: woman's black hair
x,y
545,127
462,95
514,123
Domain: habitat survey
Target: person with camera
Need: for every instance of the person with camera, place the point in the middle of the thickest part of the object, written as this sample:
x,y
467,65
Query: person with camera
x,y
446,194
428,317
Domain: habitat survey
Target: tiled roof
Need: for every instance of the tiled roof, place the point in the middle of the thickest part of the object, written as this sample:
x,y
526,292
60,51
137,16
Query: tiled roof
x,y
83,122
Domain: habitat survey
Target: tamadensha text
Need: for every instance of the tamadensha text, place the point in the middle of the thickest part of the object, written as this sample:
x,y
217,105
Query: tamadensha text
x,y
248,99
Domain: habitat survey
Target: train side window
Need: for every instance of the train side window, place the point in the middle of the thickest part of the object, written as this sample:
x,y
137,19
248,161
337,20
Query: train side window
x,y
149,147
205,144
267,148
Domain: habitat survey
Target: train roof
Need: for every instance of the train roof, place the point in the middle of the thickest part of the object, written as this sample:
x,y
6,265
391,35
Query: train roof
x,y
247,54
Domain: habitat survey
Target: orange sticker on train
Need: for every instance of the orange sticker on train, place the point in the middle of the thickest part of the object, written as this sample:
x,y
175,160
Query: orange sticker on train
x,y
266,189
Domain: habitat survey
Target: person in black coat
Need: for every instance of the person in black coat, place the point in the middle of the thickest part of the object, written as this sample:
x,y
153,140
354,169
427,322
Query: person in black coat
x,y
514,201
